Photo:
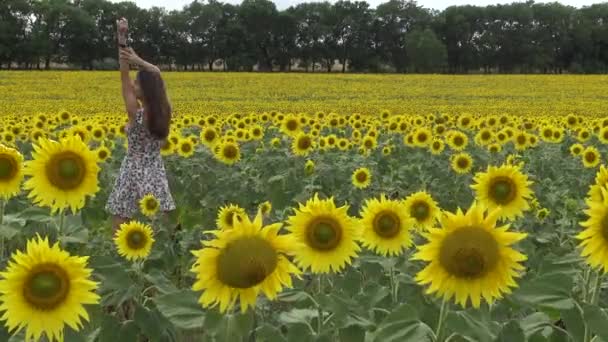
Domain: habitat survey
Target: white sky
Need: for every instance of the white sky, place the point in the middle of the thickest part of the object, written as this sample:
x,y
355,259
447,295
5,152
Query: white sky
x,y
283,4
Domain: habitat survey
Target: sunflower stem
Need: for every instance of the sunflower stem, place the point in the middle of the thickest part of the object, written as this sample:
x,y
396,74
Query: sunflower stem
x,y
443,311
591,296
597,287
60,228
394,288
319,308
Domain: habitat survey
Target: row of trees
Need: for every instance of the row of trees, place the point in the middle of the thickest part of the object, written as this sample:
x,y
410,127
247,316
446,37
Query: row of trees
x,y
398,36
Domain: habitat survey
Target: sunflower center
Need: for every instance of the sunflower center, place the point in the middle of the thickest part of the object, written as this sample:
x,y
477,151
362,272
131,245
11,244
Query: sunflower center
x,y
209,135
590,157
151,204
292,125
136,239
361,176
186,148
458,141
462,163
246,262
66,170
387,224
324,234
304,143
502,190
103,154
469,252
8,167
420,210
46,287
230,152
422,137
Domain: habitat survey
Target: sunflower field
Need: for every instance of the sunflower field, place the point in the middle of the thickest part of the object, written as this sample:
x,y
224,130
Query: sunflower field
x,y
309,208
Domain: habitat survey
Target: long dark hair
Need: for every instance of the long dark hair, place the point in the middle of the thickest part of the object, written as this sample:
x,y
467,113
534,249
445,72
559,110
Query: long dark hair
x,y
156,103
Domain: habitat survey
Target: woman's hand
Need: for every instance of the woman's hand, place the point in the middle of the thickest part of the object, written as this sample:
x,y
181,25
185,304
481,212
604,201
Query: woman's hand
x,y
127,54
123,28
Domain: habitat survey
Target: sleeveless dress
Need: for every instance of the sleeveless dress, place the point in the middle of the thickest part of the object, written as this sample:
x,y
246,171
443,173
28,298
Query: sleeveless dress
x,y
142,172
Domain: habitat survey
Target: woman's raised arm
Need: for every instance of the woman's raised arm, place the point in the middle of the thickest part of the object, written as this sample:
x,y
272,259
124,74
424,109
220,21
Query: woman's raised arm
x,y
128,93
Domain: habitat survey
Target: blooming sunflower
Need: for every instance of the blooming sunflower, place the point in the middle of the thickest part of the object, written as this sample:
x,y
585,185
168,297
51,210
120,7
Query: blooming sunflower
x,y
470,258
302,145
62,173
134,240
594,237
436,146
11,172
576,149
242,262
591,157
325,235
227,214
461,162
504,187
103,153
361,178
386,226
601,180
149,205
44,289
228,152
422,207
209,136
185,148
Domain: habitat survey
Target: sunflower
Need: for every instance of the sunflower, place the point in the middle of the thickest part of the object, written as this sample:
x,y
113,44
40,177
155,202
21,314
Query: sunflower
x,y
185,148
461,162
103,153
302,145
601,180
134,240
227,214
386,226
594,237
228,152
422,207
149,205
166,148
422,137
361,178
494,148
11,172
44,289
542,213
242,262
591,157
436,146
209,136
504,187
309,167
458,141
325,235
265,207
62,173
470,258
576,149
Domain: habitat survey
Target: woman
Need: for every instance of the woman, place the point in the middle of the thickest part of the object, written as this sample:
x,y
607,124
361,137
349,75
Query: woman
x,y
142,170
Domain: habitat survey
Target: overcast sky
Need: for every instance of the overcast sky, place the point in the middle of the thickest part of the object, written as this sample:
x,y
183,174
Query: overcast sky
x,y
282,4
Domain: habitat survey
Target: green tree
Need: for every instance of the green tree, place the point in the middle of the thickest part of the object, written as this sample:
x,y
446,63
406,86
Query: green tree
x,y
426,53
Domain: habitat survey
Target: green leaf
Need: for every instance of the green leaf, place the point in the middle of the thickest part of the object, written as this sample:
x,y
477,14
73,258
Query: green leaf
x,y
573,319
597,319
535,323
298,316
402,325
182,309
235,327
299,333
511,331
148,322
128,332
37,214
352,334
269,333
8,231
469,324
550,291
114,275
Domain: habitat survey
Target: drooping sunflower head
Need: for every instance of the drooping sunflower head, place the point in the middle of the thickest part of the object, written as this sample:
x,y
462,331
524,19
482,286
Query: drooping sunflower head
x,y
594,237
62,174
361,178
134,240
461,162
11,172
469,258
149,205
386,226
228,215
43,289
309,167
325,235
242,262
504,187
423,209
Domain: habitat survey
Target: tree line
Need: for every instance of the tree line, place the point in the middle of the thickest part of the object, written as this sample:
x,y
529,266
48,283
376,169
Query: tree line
x,y
397,36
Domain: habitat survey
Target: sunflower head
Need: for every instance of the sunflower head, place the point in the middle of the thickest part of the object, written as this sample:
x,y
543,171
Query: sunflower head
x,y
43,289
62,173
469,258
325,235
461,163
11,172
242,262
422,208
386,226
229,215
228,152
594,237
134,240
302,144
361,178
504,187
591,157
149,205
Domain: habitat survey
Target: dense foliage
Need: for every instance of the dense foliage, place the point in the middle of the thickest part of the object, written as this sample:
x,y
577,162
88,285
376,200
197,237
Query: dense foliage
x,y
398,35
